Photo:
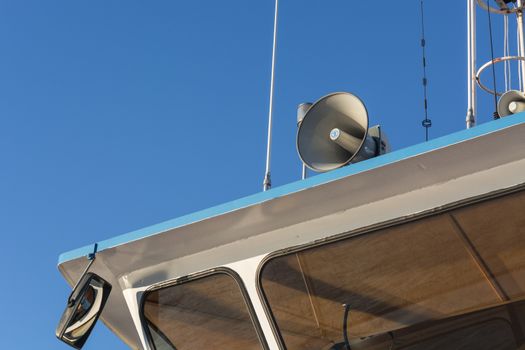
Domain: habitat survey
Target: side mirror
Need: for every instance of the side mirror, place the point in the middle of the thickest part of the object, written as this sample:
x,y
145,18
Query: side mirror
x,y
84,306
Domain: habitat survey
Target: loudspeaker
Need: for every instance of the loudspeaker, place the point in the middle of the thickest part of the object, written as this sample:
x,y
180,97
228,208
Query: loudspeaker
x,y
511,102
334,132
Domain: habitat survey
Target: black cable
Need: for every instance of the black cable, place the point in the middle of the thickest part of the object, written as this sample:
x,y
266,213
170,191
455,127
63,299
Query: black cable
x,y
392,340
496,115
345,325
426,123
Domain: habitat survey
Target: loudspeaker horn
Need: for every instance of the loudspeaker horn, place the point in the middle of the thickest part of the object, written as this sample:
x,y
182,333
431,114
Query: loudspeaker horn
x,y
511,102
334,132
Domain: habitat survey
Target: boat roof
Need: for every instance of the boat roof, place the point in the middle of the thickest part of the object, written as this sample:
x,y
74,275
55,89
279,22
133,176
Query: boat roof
x,y
136,259
297,186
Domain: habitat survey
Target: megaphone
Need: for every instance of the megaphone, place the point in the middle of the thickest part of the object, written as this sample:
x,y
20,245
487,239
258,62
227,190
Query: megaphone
x,y
334,132
511,102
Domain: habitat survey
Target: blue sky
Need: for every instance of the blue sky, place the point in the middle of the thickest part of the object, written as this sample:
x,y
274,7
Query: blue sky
x,y
115,115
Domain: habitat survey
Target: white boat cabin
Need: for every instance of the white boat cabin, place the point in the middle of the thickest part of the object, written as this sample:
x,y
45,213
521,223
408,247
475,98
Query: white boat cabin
x,y
420,248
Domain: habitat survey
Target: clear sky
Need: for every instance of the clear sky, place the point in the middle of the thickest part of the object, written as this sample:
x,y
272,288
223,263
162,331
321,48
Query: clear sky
x,y
115,115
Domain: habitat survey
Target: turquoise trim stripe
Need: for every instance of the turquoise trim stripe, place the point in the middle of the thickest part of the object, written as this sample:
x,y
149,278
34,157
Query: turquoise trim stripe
x,y
297,186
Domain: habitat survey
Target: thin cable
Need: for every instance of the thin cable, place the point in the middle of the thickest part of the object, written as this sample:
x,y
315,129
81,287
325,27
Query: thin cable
x,y
392,340
345,326
496,116
267,183
506,50
426,123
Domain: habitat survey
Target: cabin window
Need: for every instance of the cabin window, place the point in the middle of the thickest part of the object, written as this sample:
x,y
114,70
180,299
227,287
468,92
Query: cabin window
x,y
205,313
454,280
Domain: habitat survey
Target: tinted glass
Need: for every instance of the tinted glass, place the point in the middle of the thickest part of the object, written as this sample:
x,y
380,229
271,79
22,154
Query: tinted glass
x,y
422,285
206,313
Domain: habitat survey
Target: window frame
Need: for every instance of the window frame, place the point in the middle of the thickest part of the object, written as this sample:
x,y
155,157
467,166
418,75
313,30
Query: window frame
x,y
363,231
197,276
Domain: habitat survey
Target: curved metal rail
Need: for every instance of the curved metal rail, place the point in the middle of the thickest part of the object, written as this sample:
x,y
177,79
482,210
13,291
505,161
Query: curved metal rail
x,y
490,63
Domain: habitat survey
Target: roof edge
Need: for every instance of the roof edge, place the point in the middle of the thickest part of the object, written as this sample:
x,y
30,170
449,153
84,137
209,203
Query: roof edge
x,y
297,186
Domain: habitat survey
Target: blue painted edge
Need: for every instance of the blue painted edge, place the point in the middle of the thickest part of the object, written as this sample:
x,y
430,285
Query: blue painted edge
x,y
301,185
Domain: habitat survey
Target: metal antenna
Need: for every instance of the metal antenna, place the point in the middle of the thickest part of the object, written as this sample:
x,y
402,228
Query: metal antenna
x,y
267,183
472,96
426,123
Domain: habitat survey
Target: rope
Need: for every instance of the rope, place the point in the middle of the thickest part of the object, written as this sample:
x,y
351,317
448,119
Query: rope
x,y
496,116
426,123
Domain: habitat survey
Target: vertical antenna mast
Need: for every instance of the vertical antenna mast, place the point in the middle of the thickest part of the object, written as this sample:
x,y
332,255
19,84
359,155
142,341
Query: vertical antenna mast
x,y
267,183
521,43
471,19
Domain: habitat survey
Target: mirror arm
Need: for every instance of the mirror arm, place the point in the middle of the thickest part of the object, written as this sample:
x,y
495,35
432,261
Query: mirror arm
x,y
91,257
